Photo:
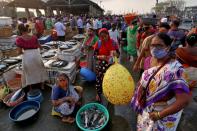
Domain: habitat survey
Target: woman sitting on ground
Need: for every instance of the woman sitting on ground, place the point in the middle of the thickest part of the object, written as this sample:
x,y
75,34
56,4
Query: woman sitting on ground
x,y
65,98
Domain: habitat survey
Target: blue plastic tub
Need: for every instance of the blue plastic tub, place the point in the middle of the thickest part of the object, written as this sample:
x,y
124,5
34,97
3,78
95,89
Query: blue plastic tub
x,y
24,112
88,74
36,97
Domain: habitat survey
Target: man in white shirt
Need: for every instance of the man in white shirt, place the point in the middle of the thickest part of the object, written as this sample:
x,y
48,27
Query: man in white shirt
x,y
60,29
114,34
80,25
95,25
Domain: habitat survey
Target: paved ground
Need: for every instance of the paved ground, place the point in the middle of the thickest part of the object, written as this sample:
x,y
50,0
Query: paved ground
x,y
122,117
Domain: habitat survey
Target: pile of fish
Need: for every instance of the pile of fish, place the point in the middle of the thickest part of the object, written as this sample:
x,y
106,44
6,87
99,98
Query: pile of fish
x,y
65,46
48,54
92,118
59,63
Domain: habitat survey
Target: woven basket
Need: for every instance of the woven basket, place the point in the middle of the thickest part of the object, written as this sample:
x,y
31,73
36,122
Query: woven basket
x,y
12,104
130,17
14,84
5,31
11,53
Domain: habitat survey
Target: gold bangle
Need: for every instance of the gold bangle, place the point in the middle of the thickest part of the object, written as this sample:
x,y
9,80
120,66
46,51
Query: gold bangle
x,y
158,114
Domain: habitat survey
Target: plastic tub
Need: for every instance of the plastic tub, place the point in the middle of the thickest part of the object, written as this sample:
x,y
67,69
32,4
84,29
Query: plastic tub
x,y
100,107
23,112
36,96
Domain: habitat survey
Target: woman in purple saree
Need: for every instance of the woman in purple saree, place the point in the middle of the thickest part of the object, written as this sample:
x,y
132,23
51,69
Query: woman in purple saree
x,y
162,92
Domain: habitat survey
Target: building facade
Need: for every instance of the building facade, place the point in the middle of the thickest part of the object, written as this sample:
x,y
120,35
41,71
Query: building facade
x,y
7,11
191,12
75,7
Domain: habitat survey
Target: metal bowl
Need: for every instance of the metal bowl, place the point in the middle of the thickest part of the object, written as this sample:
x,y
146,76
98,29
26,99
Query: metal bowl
x,y
11,61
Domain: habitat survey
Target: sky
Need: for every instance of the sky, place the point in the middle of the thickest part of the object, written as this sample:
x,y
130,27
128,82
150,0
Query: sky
x,y
140,6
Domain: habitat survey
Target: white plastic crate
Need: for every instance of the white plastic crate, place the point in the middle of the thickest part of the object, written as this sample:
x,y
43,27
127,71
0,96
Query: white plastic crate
x,y
53,75
70,70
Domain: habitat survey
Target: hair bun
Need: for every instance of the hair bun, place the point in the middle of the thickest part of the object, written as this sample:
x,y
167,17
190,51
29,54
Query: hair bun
x,y
23,27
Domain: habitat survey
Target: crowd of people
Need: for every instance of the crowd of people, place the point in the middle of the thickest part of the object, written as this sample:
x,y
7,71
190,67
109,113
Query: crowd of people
x,y
164,55
41,25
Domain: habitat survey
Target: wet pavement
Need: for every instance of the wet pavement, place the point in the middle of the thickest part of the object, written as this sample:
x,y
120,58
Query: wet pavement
x,y
189,116
122,118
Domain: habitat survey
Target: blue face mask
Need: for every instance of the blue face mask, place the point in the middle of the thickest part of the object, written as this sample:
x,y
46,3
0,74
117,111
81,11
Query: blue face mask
x,y
158,53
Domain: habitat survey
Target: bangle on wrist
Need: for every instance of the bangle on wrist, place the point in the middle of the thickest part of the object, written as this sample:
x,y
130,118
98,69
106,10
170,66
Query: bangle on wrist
x,y
158,115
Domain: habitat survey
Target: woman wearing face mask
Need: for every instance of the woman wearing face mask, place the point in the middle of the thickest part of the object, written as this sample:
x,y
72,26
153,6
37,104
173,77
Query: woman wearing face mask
x,y
105,48
162,92
88,43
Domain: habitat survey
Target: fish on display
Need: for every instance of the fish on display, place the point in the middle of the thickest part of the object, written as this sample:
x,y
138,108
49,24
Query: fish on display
x,y
92,118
